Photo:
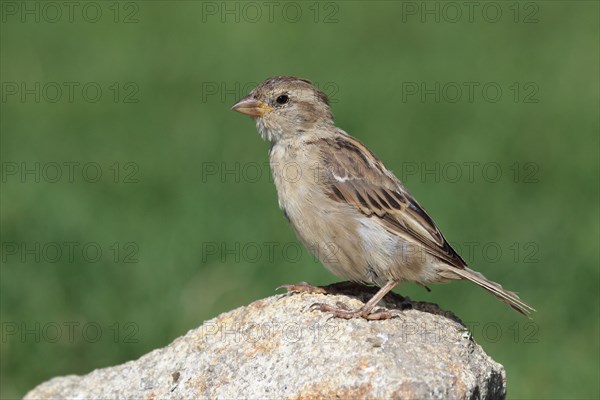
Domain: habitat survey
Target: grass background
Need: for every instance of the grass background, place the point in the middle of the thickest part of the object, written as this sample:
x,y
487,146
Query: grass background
x,y
185,66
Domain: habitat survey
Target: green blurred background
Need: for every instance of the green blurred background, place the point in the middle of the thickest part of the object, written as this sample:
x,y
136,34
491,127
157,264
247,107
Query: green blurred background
x,y
179,169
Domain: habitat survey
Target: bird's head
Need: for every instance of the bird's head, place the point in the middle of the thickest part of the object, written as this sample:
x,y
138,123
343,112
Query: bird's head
x,y
284,106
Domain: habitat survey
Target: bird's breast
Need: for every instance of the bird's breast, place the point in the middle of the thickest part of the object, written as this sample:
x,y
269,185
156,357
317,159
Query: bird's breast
x,y
294,174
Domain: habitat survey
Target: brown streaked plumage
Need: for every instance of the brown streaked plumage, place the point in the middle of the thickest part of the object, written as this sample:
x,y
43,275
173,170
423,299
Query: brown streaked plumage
x,y
345,205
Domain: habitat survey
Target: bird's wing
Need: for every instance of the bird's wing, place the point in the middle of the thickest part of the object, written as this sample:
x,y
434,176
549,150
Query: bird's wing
x,y
355,176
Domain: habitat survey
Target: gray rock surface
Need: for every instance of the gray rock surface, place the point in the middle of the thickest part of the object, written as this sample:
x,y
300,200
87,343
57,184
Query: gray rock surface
x,y
277,348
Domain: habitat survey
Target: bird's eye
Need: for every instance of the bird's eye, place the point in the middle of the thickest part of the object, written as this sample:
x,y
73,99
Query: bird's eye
x,y
284,98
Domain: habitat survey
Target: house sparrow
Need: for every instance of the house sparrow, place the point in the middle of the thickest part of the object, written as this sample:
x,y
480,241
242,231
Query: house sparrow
x,y
345,205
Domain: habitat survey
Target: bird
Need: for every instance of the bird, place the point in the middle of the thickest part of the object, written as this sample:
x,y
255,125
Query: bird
x,y
344,205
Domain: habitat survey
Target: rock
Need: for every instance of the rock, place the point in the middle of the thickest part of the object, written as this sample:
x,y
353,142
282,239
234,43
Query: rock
x,y
277,348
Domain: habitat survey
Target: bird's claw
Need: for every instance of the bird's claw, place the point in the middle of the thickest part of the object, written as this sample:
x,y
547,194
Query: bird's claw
x,y
344,312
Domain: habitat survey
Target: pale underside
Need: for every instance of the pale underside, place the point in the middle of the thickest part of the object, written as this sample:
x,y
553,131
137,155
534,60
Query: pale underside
x,y
370,229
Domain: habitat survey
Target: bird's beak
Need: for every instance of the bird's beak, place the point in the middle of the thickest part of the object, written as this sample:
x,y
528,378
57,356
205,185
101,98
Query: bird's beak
x,y
251,107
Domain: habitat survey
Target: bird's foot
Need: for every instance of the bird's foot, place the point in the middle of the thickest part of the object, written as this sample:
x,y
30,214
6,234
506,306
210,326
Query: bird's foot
x,y
303,287
365,312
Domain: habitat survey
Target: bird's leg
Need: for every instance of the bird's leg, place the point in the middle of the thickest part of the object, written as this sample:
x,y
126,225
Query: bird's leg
x,y
366,310
303,287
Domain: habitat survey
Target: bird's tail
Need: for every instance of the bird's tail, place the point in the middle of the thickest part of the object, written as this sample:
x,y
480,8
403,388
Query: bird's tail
x,y
506,296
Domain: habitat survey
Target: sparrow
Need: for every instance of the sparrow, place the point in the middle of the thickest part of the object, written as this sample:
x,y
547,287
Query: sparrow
x,y
345,206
